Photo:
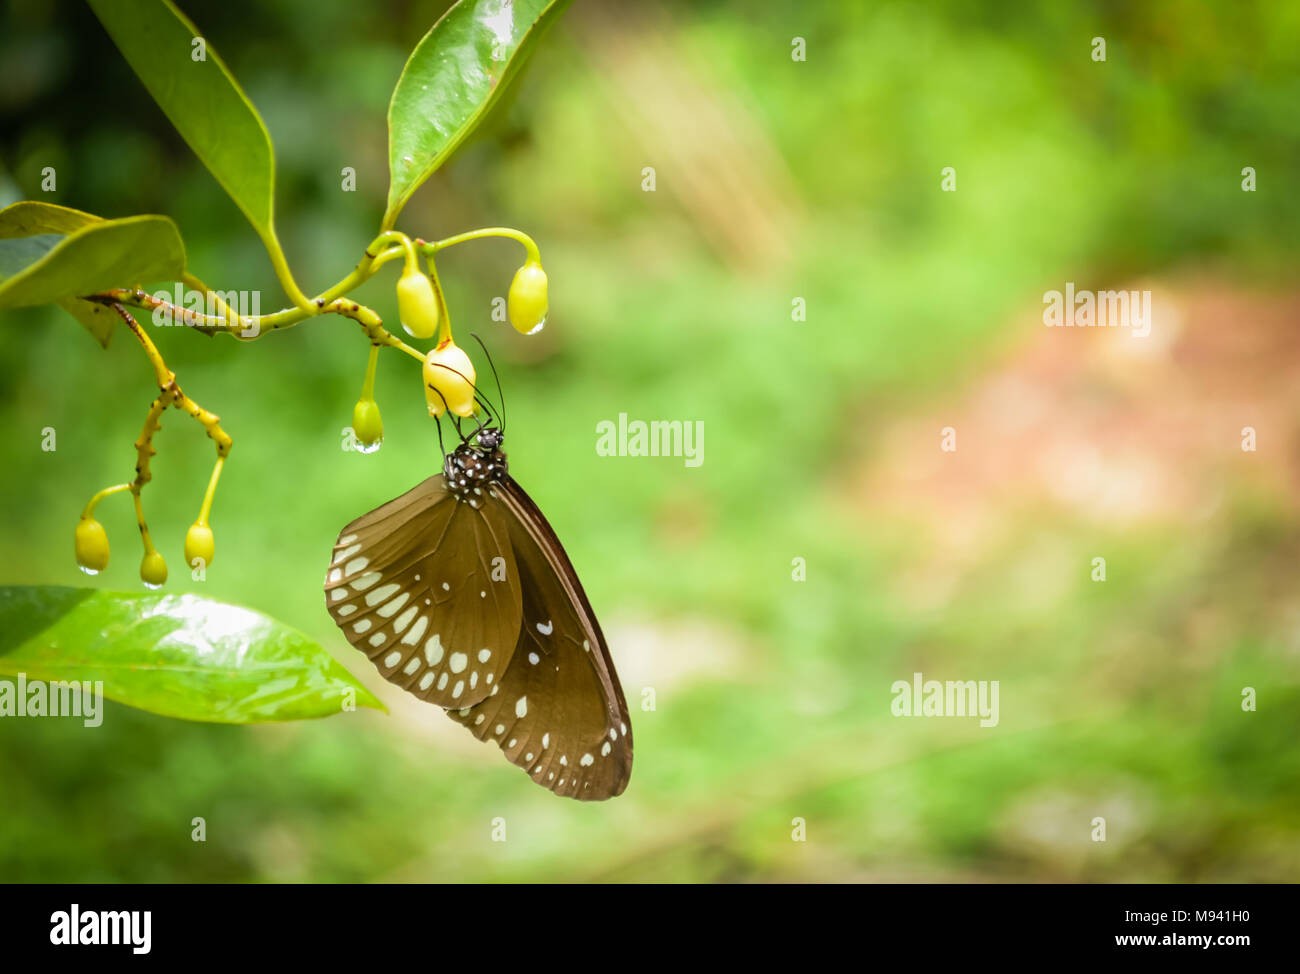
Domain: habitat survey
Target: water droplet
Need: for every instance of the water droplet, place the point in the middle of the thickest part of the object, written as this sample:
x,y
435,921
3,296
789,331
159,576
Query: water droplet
x,y
540,325
370,448
89,571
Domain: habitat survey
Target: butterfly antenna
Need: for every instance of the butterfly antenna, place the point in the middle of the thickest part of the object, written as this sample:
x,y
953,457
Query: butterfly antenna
x,y
446,408
501,396
441,446
481,400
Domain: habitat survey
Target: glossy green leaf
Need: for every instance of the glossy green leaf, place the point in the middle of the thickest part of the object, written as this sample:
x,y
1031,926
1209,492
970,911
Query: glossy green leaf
x,y
200,97
32,229
175,655
453,77
46,257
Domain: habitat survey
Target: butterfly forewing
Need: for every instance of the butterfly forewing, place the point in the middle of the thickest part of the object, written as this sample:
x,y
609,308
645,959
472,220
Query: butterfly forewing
x,y
558,711
427,587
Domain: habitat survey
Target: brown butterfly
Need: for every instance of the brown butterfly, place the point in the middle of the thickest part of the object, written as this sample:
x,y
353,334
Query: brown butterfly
x,y
460,593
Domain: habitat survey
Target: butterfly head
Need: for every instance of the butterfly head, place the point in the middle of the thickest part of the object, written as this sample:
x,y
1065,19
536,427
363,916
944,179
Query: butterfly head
x,y
474,465
490,439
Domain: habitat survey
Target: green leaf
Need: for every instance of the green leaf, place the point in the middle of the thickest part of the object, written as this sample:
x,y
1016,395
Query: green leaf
x,y
53,254
27,218
31,230
453,77
176,655
200,97
95,318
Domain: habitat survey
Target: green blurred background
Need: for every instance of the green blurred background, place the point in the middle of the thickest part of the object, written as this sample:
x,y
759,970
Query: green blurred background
x,y
775,179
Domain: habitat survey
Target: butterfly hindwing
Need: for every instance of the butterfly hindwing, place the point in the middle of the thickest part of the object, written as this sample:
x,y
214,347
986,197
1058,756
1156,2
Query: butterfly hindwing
x,y
427,587
558,711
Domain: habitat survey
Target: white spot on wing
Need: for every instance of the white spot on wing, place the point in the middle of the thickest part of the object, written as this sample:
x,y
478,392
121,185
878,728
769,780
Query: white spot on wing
x,y
365,581
404,619
393,606
417,630
433,650
345,554
381,593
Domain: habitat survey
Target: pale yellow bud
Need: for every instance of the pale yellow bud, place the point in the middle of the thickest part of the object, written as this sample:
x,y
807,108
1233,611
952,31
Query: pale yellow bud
x,y
448,370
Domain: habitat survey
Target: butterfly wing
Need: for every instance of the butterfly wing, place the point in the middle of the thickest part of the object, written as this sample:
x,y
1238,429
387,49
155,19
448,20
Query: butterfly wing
x,y
427,587
558,711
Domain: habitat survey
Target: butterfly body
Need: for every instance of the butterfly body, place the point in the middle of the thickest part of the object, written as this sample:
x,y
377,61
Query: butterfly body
x,y
460,593
470,468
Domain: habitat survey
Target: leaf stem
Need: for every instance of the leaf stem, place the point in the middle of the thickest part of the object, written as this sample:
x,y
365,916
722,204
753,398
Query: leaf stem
x,y
283,272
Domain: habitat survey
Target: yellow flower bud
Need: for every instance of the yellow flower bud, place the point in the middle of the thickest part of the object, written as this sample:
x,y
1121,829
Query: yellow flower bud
x,y
367,425
448,370
153,570
527,301
92,546
417,307
199,544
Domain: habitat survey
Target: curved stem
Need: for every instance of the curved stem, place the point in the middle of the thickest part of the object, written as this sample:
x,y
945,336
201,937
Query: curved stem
x,y
250,327
444,319
89,510
211,297
282,271
534,255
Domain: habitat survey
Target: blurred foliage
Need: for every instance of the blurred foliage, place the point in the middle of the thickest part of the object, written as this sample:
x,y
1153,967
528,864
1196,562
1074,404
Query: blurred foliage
x,y
774,179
